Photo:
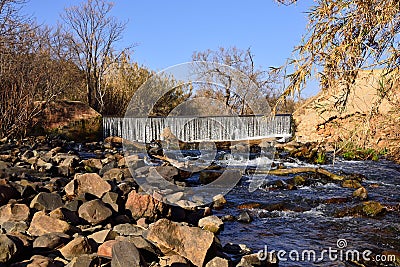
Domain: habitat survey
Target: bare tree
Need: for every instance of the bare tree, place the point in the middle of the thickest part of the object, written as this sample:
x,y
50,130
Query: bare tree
x,y
235,78
93,34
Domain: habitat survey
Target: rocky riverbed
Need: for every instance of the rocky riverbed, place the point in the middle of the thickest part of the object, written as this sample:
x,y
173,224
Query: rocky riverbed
x,y
68,204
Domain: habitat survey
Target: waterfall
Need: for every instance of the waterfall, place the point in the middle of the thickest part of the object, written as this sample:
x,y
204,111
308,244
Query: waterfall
x,y
195,129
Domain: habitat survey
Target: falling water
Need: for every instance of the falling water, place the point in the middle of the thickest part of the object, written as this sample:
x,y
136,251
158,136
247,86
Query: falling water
x,y
195,129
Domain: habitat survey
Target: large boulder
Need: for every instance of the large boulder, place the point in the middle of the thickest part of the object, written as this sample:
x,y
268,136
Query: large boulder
x,y
73,119
191,243
90,183
142,205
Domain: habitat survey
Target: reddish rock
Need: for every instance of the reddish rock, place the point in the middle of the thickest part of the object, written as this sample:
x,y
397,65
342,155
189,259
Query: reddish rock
x,y
76,247
94,212
145,206
14,212
105,249
191,243
42,224
87,183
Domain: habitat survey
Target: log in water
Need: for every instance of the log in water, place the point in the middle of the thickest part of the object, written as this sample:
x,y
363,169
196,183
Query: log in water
x,y
197,129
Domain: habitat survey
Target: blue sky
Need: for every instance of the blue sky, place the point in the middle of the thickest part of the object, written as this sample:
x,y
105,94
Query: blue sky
x,y
168,32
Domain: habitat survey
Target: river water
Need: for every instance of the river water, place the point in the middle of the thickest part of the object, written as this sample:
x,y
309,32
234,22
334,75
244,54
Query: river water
x,y
308,223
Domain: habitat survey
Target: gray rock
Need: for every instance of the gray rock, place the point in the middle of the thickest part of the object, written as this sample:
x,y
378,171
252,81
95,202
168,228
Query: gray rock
x,y
244,217
126,254
46,201
128,229
14,227
51,240
85,260
94,212
112,199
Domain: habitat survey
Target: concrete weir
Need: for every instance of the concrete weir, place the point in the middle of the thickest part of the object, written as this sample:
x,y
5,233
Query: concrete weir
x,y
198,129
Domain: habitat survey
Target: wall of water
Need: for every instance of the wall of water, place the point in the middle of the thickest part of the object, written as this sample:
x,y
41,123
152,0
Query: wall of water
x,y
193,129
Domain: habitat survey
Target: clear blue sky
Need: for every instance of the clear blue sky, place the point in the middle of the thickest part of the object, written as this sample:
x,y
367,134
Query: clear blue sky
x,y
168,32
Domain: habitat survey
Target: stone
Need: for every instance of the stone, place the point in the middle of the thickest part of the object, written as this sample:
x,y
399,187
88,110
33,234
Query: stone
x,y
14,227
169,173
78,246
236,249
112,199
85,260
105,249
87,183
142,222
372,208
39,261
51,240
145,206
94,212
43,224
211,223
114,173
108,166
92,163
103,236
7,192
207,177
254,260
244,217
127,229
8,248
66,163
361,193
65,215
140,243
14,213
191,243
72,119
351,184
219,201
126,254
131,161
174,260
218,262
46,201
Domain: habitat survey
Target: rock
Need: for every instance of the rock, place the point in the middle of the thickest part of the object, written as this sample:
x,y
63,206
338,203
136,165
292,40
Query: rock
x,y
7,192
51,240
39,261
85,260
87,183
78,246
73,119
27,155
126,254
351,184
103,236
108,166
228,218
219,201
105,249
173,260
142,222
93,164
207,177
94,212
9,248
218,262
361,193
145,206
169,173
114,173
244,217
14,227
43,224
372,208
14,213
211,223
66,163
236,249
65,215
132,161
254,260
46,201
144,246
128,229
191,243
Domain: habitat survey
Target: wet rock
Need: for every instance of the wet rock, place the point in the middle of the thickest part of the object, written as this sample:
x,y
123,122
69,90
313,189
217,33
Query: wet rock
x,y
78,246
43,224
94,212
105,249
46,201
228,218
14,213
51,240
126,254
191,243
218,262
211,223
127,229
361,193
372,208
145,206
254,260
38,261
244,217
9,248
87,183
351,184
219,202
